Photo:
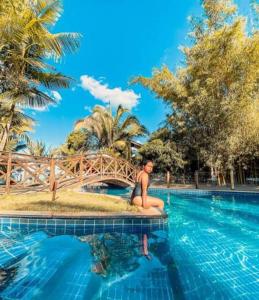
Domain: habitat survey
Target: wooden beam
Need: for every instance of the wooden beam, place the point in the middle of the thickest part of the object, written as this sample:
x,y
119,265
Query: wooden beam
x,y
8,173
52,174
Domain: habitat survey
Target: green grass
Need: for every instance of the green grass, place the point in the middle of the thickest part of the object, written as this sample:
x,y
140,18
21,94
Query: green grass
x,y
66,201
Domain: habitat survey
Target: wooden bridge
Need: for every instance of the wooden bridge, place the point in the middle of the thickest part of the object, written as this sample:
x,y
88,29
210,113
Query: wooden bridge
x,y
21,172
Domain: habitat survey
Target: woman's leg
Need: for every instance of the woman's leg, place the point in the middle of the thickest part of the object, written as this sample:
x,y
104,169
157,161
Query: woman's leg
x,y
137,201
151,201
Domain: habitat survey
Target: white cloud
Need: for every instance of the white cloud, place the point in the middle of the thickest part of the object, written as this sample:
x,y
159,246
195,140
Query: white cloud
x,y
56,95
88,108
43,108
116,96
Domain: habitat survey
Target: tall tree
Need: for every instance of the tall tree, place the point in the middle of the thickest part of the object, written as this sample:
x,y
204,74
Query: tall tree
x,y
214,96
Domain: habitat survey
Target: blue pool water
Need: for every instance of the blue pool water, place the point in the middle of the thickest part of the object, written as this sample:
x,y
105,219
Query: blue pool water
x,y
209,250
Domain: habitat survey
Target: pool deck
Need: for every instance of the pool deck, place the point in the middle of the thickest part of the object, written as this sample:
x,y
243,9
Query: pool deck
x,y
204,187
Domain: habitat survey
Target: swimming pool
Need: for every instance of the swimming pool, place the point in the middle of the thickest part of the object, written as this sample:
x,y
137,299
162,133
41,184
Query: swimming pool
x,y
209,250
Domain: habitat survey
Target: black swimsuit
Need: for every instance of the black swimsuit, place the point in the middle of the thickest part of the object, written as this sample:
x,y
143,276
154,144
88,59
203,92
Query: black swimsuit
x,y
137,191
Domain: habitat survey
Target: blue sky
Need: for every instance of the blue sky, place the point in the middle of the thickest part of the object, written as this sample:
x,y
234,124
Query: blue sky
x,y
121,39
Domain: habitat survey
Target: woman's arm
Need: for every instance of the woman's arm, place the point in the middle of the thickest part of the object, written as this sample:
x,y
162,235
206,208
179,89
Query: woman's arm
x,y
144,183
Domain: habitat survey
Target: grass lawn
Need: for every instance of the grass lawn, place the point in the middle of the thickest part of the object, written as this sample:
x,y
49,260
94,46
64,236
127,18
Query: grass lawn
x,y
66,201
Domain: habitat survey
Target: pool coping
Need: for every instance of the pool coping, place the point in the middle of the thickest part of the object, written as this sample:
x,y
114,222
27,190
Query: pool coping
x,y
139,215
48,215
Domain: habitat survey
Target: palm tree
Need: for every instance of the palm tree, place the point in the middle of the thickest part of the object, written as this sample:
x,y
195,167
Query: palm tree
x,y
114,133
26,43
21,125
38,148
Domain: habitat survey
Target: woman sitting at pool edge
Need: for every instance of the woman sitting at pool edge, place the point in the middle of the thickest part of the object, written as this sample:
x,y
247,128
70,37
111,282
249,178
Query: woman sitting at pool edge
x,y
139,195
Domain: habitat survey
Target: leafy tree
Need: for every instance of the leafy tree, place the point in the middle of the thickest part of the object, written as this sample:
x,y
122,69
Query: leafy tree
x,y
164,155
214,96
78,141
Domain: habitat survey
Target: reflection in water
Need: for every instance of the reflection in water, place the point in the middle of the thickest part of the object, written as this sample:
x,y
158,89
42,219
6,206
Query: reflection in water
x,y
132,265
6,276
113,253
117,254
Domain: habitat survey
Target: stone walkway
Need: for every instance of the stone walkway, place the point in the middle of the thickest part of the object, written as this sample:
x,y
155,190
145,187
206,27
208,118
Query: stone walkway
x,y
238,188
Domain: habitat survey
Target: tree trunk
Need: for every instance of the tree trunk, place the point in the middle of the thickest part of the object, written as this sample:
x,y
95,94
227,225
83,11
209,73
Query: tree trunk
x,y
7,129
168,179
223,179
211,171
240,174
218,177
196,178
255,173
232,181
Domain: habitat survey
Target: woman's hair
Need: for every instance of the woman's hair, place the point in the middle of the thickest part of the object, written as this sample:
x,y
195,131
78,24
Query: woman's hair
x,y
146,161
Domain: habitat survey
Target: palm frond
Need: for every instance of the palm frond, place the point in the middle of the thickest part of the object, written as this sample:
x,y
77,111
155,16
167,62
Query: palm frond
x,y
119,114
49,11
51,80
60,43
28,98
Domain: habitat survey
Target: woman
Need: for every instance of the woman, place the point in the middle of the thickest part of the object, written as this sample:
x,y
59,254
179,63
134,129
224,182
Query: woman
x,y
139,195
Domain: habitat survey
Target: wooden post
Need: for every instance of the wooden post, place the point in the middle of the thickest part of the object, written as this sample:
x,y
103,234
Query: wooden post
x,y
232,181
127,170
101,165
54,189
196,178
52,174
8,173
81,166
116,168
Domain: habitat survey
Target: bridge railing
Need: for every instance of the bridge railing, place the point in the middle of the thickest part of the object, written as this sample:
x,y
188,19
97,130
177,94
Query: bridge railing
x,y
22,172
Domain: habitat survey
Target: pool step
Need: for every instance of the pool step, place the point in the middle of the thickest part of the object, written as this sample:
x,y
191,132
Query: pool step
x,y
39,266
13,249
78,282
150,280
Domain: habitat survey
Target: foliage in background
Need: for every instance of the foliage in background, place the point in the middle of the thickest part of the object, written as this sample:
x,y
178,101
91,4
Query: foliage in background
x,y
38,148
163,152
114,133
214,95
78,141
